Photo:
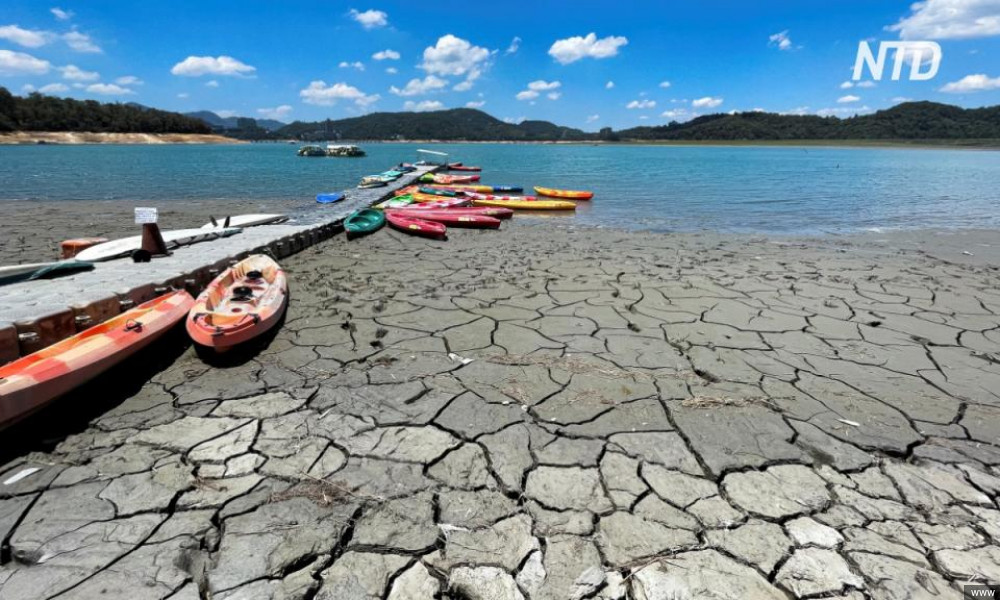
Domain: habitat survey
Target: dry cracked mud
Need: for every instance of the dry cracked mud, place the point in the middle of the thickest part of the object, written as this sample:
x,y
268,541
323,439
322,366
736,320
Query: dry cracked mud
x,y
549,413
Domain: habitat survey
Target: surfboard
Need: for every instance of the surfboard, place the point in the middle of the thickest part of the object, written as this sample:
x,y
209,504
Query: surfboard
x,y
175,238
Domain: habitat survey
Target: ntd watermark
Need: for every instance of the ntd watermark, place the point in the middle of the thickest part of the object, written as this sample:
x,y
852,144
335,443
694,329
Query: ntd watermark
x,y
919,54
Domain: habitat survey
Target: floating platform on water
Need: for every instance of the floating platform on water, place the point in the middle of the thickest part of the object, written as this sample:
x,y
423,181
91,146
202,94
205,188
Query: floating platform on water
x,y
36,314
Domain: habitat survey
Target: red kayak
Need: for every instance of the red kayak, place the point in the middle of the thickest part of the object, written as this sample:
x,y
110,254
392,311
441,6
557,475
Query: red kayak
x,y
448,217
486,211
414,226
463,168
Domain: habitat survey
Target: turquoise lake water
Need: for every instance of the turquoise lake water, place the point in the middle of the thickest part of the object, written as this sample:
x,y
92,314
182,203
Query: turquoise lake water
x,y
745,189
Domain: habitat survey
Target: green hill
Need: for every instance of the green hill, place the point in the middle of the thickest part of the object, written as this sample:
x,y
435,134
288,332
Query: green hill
x,y
38,112
453,124
908,121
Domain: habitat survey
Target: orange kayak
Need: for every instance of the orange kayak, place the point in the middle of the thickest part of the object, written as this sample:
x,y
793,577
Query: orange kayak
x,y
31,382
568,194
240,304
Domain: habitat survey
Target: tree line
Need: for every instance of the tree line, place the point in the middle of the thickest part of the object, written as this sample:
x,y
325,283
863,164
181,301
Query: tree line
x,y
37,112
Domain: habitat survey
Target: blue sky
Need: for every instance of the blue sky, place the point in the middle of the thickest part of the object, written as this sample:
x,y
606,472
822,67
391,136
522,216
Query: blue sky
x,y
515,60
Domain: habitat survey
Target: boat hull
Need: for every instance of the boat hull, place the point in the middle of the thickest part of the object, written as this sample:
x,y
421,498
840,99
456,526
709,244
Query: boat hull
x,y
222,319
33,381
566,194
415,226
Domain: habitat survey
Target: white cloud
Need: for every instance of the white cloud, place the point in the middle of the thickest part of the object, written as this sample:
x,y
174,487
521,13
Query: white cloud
x,y
676,114
866,84
225,114
29,38
797,111
392,70
321,94
128,80
81,42
277,113
641,104
370,19
212,83
54,88
514,120
514,45
527,95
75,73
592,118
352,65
542,86
706,102
196,66
386,55
108,89
19,63
848,98
900,99
781,40
463,86
183,95
454,56
950,19
27,88
553,95
972,83
847,85
422,106
60,14
574,48
475,104
843,111
664,84
417,87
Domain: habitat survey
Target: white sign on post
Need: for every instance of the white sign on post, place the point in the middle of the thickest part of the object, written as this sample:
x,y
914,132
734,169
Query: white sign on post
x,y
145,215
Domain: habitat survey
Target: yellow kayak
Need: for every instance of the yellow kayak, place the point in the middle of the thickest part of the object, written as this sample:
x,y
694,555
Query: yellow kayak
x,y
527,204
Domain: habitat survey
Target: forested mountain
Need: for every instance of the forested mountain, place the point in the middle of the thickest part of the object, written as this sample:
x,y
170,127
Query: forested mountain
x,y
454,124
908,121
37,112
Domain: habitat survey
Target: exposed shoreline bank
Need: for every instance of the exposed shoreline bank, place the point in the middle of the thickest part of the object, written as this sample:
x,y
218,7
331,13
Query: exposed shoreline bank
x,y
18,138
522,405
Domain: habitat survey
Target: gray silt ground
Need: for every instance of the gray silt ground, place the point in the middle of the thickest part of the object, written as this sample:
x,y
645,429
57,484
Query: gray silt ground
x,y
643,416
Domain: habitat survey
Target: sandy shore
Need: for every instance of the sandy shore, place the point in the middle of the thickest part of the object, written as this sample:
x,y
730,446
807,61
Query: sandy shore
x,y
76,137
545,412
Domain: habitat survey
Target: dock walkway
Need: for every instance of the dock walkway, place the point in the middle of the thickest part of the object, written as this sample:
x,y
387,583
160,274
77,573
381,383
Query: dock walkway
x,y
36,314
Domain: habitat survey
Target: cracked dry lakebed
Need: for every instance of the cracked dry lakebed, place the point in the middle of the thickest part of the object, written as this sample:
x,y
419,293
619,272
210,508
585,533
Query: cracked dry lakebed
x,y
544,412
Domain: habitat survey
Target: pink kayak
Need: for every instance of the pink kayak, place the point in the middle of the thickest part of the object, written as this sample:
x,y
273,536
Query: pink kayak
x,y
486,211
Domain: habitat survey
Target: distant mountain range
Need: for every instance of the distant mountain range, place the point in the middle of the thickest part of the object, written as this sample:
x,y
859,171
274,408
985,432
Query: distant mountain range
x,y
907,121
223,123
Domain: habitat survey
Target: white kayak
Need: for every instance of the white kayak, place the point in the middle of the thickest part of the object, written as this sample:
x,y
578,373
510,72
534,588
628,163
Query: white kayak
x,y
246,221
173,239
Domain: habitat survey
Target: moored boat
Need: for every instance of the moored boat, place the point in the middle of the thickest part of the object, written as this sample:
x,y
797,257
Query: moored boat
x,y
329,198
311,151
344,151
567,194
461,167
31,382
243,302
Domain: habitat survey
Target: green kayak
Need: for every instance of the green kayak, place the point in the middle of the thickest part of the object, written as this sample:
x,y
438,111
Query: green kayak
x,y
362,222
437,192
